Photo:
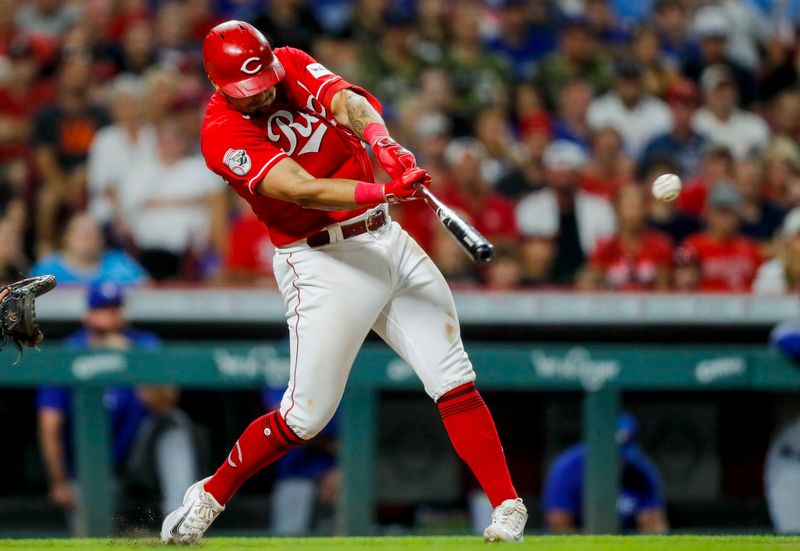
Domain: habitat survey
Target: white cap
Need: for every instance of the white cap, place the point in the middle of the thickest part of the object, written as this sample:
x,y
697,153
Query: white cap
x,y
565,155
711,21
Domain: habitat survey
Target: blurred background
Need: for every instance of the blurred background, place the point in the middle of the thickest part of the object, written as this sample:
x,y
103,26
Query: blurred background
x,y
544,123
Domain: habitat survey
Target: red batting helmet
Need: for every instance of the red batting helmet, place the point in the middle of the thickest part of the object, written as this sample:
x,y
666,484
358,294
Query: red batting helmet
x,y
239,59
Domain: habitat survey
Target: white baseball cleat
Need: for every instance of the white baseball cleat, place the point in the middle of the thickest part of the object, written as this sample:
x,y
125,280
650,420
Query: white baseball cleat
x,y
508,522
189,522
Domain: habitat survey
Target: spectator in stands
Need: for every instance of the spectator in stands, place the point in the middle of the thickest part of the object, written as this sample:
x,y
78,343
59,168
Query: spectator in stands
x,y
712,28
656,73
173,36
641,501
666,216
478,78
504,273
119,150
468,191
671,21
782,172
748,31
609,168
561,222
84,259
13,264
635,258
392,68
22,93
611,36
493,129
136,52
781,275
571,123
784,114
174,226
47,18
528,176
635,114
777,72
760,217
306,479
722,122
727,260
681,144
518,41
717,166
150,434
62,134
577,58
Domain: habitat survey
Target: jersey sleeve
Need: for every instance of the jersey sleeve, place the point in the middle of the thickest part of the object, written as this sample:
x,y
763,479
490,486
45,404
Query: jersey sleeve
x,y
317,80
240,155
53,398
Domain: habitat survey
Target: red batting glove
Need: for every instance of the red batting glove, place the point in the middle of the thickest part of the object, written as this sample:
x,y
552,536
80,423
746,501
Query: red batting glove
x,y
393,157
407,186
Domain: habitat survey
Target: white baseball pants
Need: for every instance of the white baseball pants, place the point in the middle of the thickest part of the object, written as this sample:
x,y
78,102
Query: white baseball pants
x,y
336,293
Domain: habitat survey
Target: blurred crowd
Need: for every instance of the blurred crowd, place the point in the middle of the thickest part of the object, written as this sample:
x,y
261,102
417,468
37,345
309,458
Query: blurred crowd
x,y
543,122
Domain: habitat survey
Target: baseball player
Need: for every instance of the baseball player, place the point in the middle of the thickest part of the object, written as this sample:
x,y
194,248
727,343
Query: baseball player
x,y
287,135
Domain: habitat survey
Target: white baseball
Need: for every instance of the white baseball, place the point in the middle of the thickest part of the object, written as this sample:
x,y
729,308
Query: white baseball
x,y
667,187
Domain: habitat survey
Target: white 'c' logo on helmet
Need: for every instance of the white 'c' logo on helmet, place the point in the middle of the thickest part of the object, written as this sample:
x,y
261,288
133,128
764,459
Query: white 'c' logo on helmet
x,y
247,62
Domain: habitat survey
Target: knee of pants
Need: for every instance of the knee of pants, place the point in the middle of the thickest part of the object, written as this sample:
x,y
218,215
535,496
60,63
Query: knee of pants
x,y
304,423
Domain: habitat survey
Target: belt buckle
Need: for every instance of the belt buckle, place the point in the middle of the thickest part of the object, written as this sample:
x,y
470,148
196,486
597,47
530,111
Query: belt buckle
x,y
371,220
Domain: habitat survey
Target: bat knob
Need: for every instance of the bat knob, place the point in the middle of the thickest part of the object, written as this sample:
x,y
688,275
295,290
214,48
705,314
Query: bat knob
x,y
484,253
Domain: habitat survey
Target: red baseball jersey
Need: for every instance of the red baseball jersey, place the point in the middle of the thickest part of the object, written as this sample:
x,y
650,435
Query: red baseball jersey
x,y
730,266
628,269
242,149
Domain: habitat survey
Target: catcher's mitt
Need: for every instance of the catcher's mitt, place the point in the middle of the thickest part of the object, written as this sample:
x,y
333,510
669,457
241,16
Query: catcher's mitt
x,y
18,310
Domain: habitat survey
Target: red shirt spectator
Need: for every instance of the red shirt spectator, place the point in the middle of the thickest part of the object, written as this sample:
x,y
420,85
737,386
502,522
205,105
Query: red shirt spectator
x,y
725,265
633,269
726,260
717,166
492,214
467,191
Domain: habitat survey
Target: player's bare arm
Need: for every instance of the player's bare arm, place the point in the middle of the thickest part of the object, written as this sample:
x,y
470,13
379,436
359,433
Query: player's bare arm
x,y
353,111
288,181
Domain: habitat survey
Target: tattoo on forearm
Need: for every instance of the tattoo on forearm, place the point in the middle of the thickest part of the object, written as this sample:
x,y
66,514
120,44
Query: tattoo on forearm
x,y
360,113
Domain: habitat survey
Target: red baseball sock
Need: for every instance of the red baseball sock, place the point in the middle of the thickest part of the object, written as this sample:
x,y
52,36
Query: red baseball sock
x,y
264,441
472,431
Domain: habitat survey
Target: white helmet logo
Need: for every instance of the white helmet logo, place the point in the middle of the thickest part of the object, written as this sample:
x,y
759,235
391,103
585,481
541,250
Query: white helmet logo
x,y
248,61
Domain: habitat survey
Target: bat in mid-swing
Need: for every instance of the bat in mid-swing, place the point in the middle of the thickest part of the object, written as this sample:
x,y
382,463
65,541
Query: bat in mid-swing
x,y
477,246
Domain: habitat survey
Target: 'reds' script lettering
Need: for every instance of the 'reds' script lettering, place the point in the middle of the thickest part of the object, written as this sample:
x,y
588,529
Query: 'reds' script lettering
x,y
307,128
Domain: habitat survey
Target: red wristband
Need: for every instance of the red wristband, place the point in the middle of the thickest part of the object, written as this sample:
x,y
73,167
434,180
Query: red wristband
x,y
368,194
374,131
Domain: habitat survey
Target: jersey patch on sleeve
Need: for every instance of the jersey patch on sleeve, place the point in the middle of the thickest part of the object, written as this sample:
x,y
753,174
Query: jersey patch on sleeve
x,y
238,161
318,70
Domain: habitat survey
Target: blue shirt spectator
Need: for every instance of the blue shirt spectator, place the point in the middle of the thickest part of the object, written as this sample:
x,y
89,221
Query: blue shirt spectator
x,y
641,495
83,258
113,266
104,327
124,406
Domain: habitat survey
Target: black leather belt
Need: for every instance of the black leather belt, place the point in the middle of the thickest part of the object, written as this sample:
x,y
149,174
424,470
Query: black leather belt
x,y
371,223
